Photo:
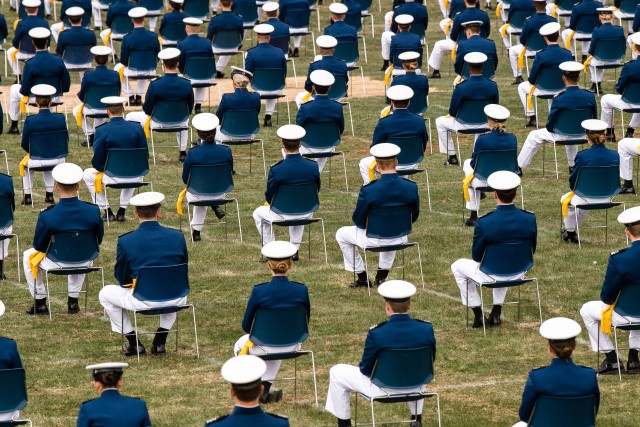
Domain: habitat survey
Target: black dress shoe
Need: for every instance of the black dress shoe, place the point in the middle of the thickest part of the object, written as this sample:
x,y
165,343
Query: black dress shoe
x,y
519,171
296,257
378,282
159,349
592,89
360,284
627,190
108,215
132,100
477,322
570,236
182,156
219,75
27,200
532,123
493,320
271,397
13,129
385,65
88,141
629,133
73,307
435,74
48,198
220,213
296,54
47,17
633,367
198,108
452,161
195,235
608,368
267,121
517,81
138,100
471,222
128,350
120,214
38,310
610,135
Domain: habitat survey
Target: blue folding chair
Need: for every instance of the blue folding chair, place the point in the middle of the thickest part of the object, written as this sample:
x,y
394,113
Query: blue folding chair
x,y
569,126
248,13
389,222
207,181
299,15
172,33
338,92
565,7
297,199
556,411
631,95
408,369
142,62
230,41
78,58
273,81
72,247
197,9
171,116
347,51
120,26
241,126
324,136
505,259
549,80
201,71
418,105
283,327
93,101
13,394
365,6
47,146
612,52
411,153
470,113
282,42
535,43
159,284
581,37
6,220
517,22
628,10
488,69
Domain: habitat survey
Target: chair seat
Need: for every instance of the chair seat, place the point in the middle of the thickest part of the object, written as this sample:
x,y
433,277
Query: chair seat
x,y
273,96
7,236
73,270
240,141
97,116
472,131
628,326
389,248
42,168
571,142
218,202
143,77
13,423
283,356
199,85
235,52
607,66
322,155
504,283
170,129
594,206
121,185
163,310
397,398
295,222
408,172
353,67
628,110
546,96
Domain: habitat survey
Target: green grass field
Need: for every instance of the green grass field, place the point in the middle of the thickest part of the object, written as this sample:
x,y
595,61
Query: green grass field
x,y
480,380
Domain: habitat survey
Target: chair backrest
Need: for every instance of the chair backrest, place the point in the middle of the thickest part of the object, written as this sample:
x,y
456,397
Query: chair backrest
x,y
196,8
321,135
347,51
170,111
491,161
77,55
145,59
296,199
279,327
410,149
282,42
610,49
338,89
569,122
471,112
209,180
49,145
364,4
174,31
631,94
567,4
598,181
550,79
535,42
240,123
629,6
628,303
552,411
507,259
25,45
94,95
51,80
403,368
160,283
389,222
121,25
297,14
74,246
269,79
488,69
418,104
519,16
127,162
354,19
13,393
248,12
418,29
6,212
226,39
200,68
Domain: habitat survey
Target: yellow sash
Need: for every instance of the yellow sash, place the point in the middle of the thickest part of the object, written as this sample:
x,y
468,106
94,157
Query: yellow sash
x,y
97,181
530,98
107,37
245,348
121,74
79,115
385,111
567,44
466,182
23,104
14,55
306,98
446,4
387,75
565,204
457,80
34,261
503,30
586,63
554,11
181,197
23,164
132,284
147,127
521,57
447,27
160,40
372,171
15,24
498,9
607,317
453,52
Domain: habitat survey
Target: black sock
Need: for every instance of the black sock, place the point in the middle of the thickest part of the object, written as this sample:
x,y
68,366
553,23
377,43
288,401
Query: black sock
x,y
633,355
630,130
72,300
362,276
161,336
41,302
496,310
344,423
416,418
131,337
612,356
474,215
477,312
267,387
628,183
382,274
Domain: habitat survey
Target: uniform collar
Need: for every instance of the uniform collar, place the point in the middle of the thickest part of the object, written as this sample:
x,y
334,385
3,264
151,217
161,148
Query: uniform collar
x,y
401,111
279,279
557,362
68,200
241,90
508,207
386,176
149,224
327,56
110,392
574,88
294,156
553,45
398,317
41,52
171,75
243,410
117,119
44,111
101,67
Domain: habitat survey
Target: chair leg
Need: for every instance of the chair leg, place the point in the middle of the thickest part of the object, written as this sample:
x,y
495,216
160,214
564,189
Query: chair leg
x,y
555,158
484,326
353,132
539,304
153,148
135,325
46,275
426,174
264,163
364,91
420,264
239,225
18,257
315,384
324,241
366,269
346,181
615,340
575,213
195,330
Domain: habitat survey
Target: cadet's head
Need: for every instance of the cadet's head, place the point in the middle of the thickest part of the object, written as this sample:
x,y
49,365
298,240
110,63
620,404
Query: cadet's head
x,y
550,32
470,3
43,94
291,136
540,5
114,104
595,130
137,15
475,61
605,14
240,77
279,257
67,177
270,9
263,32
147,205
226,4
409,60
397,296
101,54
635,39
40,37
244,373
386,157
107,375
571,72
561,333
338,11
404,22
176,4
326,45
497,116
192,25
504,186
472,28
169,57
206,125
400,96
322,81
631,220
74,14
31,6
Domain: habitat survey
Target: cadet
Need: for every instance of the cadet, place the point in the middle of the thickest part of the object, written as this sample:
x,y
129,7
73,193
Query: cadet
x,y
298,23
573,98
115,9
21,35
586,14
74,36
240,99
265,56
280,29
111,409
294,169
69,214
244,374
224,21
117,133
320,110
69,10
43,122
6,190
388,190
562,378
340,30
278,293
399,332
170,87
523,6
176,16
476,87
505,224
607,31
194,46
474,43
43,64
408,7
404,40
9,359
411,78
622,272
137,249
207,153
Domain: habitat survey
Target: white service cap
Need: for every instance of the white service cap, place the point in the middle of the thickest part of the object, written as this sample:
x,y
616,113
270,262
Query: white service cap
x,y
148,198
594,125
74,11
409,56
263,29
475,58
540,1
39,33
169,53
107,367
322,78
205,122
176,1
101,50
469,23
43,90
399,93
606,10
338,8
193,21
113,100
138,12
291,132
571,66
550,28
67,173
270,6
503,180
384,150
279,249
403,19
635,38
396,290
496,112
559,328
2,308
31,3
630,216
243,369
326,42
241,71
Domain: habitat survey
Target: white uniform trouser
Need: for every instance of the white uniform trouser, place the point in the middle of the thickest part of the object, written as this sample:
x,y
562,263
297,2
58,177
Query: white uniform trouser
x,y
474,195
47,8
15,65
100,199
536,138
618,14
103,36
443,9
141,117
56,29
385,41
596,73
273,366
321,161
609,102
467,269
270,104
570,220
523,91
200,212
74,281
264,213
440,48
507,39
27,179
89,125
5,243
591,313
549,11
351,236
153,20
387,21
299,98
141,85
583,44
634,54
514,52
199,92
222,60
521,423
366,162
116,300
221,137
443,25
297,39
627,148
444,126
344,379
96,8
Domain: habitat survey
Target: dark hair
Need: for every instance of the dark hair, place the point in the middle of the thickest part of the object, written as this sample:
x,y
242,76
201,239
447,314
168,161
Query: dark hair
x,y
572,76
30,9
474,28
634,229
553,37
401,104
506,196
147,212
40,43
207,135
115,110
138,20
399,307
280,266
475,68
471,2
563,348
226,3
101,59
291,144
175,6
43,101
386,164
108,379
247,392
540,5
404,27
68,187
321,90
170,63
75,19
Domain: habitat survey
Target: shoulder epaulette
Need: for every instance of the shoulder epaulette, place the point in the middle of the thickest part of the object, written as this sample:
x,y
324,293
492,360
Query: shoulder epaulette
x,y
277,415
277,163
128,232
619,251
379,324
100,125
538,368
47,208
89,203
370,183
215,420
529,212
262,284
87,401
586,367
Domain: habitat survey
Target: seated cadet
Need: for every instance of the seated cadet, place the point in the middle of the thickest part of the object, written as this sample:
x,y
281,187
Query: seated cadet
x,y
6,190
111,408
326,48
76,35
394,44
572,98
408,7
239,100
475,88
520,6
9,359
43,122
137,249
622,272
244,374
69,214
298,23
586,14
503,225
265,56
495,140
562,378
115,9
280,29
399,332
170,87
194,46
176,16
224,21
620,15
206,153
388,190
68,10
455,7
320,110
607,31
411,77
101,76
549,58
597,155
474,43
636,28
21,47
294,169
117,133
339,29
471,13
138,40
42,65
400,123
279,293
